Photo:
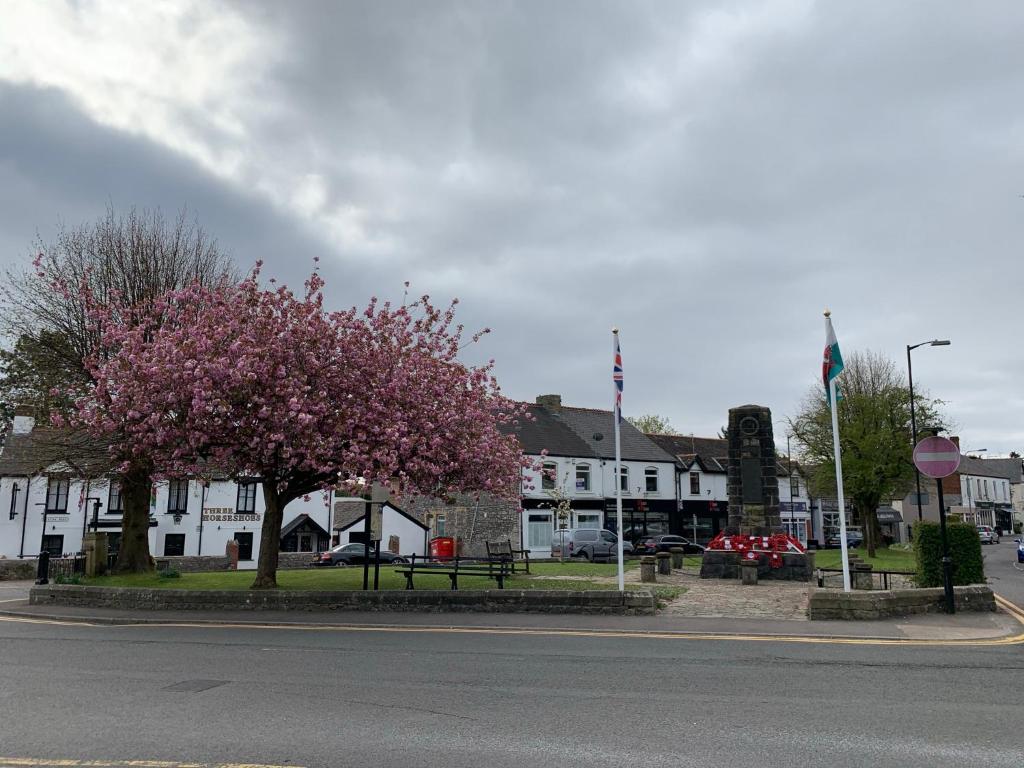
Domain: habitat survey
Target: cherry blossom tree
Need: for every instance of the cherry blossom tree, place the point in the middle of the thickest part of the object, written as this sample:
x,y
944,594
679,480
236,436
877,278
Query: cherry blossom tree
x,y
263,383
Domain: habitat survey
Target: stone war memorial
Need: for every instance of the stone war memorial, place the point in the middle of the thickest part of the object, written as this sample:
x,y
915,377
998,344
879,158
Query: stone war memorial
x,y
754,544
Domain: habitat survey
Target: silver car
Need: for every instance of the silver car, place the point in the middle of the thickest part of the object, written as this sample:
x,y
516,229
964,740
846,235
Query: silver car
x,y
588,544
988,534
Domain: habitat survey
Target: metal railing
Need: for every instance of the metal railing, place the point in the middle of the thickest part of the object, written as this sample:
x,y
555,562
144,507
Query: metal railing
x,y
885,579
59,568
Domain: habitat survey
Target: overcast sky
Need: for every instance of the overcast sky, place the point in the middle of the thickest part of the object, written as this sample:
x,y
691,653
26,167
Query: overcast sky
x,y
708,177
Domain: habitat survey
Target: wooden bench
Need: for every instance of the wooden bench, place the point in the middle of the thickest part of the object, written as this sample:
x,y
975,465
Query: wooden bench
x,y
502,552
498,571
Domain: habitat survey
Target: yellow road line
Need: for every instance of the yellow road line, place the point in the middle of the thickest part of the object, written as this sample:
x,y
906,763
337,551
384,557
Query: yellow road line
x,y
42,762
1012,609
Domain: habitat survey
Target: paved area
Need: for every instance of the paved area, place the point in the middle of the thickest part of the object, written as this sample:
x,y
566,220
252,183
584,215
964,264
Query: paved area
x,y
13,591
232,696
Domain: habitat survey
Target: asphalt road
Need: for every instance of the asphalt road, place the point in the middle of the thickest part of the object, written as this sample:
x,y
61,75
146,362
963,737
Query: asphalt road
x,y
207,695
1004,574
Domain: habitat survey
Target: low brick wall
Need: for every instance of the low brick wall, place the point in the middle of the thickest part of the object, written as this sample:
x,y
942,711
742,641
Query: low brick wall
x,y
18,570
471,601
720,564
194,563
828,604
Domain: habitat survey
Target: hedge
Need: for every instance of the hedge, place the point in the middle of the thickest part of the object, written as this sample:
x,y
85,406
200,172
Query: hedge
x,y
964,548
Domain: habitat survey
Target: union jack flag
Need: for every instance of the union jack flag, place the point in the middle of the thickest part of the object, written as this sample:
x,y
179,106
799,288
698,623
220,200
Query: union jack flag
x,y
617,378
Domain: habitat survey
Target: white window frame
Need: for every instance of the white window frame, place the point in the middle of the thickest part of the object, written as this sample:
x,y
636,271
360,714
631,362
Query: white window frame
x,y
649,474
583,472
624,479
695,476
549,476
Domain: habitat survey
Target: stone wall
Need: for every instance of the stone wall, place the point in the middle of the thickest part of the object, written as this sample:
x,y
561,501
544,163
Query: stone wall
x,y
720,564
194,563
458,601
18,570
828,604
473,521
288,560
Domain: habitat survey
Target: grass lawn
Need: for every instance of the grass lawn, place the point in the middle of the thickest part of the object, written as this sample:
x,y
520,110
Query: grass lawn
x,y
352,579
884,560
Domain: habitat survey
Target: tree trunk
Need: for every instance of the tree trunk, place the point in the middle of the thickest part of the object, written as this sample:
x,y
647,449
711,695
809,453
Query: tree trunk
x,y
870,518
270,538
134,556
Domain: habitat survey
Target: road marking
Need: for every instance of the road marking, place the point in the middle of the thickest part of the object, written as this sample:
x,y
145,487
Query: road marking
x,y
43,762
29,620
1013,610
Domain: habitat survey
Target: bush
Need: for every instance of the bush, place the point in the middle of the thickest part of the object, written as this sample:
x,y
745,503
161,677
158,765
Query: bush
x,y
72,579
964,548
170,573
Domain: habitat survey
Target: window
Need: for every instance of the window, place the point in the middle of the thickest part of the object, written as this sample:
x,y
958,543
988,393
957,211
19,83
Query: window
x,y
582,477
53,544
794,486
986,488
548,475
114,504
246,498
977,482
174,545
695,483
177,497
651,480
440,523
57,495
588,520
244,540
624,479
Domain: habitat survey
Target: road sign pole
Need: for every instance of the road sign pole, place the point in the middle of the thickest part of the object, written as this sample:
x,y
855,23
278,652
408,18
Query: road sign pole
x,y
947,561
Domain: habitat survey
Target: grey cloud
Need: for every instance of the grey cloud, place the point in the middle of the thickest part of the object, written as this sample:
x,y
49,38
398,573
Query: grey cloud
x,y
707,176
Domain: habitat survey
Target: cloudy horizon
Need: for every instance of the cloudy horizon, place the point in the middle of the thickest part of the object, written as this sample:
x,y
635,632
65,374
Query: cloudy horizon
x,y
706,176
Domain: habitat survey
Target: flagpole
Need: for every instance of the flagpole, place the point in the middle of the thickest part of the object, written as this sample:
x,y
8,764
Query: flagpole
x,y
616,416
834,407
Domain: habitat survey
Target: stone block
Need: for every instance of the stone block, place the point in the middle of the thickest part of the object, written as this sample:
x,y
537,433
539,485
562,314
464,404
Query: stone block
x,y
748,573
664,563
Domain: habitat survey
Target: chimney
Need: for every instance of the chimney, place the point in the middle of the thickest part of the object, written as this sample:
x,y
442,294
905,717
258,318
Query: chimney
x,y
554,402
24,420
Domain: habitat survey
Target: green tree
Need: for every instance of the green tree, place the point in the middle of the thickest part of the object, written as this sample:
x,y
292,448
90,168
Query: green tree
x,y
652,424
874,436
126,261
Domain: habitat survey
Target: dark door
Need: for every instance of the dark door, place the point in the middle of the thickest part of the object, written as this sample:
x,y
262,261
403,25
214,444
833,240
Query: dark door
x,y
244,545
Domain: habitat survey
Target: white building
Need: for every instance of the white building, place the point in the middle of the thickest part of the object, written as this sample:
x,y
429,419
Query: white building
x,y
579,466
49,504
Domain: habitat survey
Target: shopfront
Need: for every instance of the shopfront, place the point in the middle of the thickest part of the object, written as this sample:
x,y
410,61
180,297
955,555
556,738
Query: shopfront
x,y
796,520
701,520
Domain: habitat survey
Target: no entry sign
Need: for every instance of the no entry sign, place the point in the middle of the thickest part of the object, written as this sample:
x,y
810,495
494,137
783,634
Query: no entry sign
x,y
937,457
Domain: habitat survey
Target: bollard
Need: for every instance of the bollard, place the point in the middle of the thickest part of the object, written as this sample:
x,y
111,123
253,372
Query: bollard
x,y
748,572
677,557
664,563
861,576
647,569
43,569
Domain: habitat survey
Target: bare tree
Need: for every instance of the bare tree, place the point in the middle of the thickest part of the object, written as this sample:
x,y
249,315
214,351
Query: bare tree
x,y
125,262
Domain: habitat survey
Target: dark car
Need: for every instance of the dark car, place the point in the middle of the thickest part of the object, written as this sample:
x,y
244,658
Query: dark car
x,y
665,543
352,554
854,538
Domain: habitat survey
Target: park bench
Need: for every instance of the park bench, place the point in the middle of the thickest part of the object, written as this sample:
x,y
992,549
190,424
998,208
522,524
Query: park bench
x,y
497,570
502,552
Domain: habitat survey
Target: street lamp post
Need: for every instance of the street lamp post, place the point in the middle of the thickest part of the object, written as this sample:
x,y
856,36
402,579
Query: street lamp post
x,y
913,418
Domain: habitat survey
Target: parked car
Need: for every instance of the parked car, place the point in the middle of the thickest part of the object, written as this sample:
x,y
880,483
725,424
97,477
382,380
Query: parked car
x,y
854,538
667,542
588,543
1020,550
352,554
988,534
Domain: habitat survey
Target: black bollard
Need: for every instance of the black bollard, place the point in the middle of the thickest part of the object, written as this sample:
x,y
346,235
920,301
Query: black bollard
x,y
43,570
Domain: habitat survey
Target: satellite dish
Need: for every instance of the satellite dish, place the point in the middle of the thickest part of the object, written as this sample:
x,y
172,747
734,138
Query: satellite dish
x,y
598,437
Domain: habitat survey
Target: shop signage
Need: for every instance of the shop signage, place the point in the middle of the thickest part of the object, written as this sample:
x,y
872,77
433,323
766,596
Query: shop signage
x,y
795,506
228,515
